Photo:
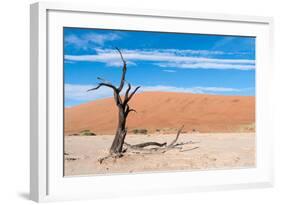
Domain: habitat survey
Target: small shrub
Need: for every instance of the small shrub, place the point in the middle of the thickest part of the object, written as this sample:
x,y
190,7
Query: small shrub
x,y
135,131
140,131
87,133
143,131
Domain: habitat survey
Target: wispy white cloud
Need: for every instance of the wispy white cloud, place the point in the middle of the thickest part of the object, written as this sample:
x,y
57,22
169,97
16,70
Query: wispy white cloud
x,y
118,63
165,58
206,65
211,52
86,40
79,92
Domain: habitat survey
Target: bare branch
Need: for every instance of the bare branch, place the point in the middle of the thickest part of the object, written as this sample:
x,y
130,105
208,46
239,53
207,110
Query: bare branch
x,y
185,143
117,97
124,70
103,84
132,110
120,55
103,80
146,144
189,149
175,140
127,92
131,95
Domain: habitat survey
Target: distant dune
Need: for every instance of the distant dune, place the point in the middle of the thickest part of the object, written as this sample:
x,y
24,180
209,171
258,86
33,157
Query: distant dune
x,y
166,112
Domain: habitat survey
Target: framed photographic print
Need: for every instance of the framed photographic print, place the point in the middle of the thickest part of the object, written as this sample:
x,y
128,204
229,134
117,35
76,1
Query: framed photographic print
x,y
151,101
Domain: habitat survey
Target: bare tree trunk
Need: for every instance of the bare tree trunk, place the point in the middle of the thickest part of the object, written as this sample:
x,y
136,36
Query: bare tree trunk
x,y
117,144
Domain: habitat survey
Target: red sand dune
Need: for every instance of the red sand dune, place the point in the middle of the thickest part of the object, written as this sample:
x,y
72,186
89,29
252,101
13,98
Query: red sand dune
x,y
166,111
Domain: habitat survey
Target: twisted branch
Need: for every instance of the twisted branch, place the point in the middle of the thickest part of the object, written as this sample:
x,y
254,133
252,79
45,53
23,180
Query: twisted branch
x,y
103,84
131,95
127,92
123,71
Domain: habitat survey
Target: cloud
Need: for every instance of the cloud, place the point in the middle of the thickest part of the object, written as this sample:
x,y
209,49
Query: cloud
x,y
220,66
165,58
79,92
212,52
87,40
118,63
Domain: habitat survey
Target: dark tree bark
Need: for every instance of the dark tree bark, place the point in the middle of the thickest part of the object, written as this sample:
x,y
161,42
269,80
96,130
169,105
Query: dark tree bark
x,y
123,107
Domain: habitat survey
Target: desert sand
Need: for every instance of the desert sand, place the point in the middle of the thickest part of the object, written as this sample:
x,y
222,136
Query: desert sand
x,y
221,129
208,151
166,111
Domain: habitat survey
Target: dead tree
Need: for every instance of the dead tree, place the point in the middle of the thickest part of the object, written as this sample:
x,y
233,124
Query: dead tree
x,y
116,149
123,107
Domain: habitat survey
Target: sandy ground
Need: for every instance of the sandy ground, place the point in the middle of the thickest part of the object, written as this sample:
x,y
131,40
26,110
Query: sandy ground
x,y
209,151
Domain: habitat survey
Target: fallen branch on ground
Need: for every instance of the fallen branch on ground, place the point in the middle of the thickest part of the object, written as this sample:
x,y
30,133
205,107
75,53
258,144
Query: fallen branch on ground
x,y
146,144
185,150
152,147
157,147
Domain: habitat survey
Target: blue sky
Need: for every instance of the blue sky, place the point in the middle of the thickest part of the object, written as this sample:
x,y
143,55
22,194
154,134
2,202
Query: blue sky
x,y
194,63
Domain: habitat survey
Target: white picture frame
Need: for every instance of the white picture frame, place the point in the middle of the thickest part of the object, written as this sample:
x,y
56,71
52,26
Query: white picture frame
x,y
46,179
